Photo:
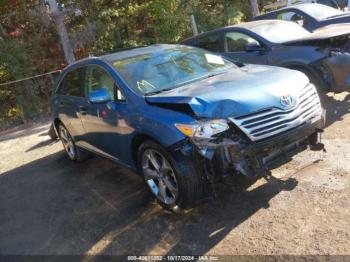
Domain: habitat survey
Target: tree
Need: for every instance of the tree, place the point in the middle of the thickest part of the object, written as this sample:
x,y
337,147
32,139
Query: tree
x,y
29,42
255,7
58,18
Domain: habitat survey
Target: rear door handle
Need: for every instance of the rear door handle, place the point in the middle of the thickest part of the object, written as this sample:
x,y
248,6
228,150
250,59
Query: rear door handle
x,y
82,110
61,104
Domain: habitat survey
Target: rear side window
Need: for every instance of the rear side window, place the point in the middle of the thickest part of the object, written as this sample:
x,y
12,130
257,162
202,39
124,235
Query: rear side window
x,y
210,42
71,84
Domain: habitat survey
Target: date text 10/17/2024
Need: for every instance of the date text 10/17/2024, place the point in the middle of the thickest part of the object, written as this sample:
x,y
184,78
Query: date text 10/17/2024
x,y
173,258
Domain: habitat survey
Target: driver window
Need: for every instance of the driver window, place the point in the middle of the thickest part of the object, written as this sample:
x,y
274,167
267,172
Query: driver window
x,y
293,17
236,42
96,78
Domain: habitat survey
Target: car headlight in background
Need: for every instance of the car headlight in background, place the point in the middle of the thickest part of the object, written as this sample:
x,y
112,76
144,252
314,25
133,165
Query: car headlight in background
x,y
203,129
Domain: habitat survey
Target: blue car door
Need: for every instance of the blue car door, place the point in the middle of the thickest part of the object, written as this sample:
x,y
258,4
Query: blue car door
x,y
68,100
104,123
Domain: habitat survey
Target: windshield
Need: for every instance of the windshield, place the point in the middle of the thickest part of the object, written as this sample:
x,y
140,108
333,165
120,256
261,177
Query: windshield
x,y
166,69
280,31
319,11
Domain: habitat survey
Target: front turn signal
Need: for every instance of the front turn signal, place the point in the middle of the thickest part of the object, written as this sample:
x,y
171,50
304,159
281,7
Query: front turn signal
x,y
187,130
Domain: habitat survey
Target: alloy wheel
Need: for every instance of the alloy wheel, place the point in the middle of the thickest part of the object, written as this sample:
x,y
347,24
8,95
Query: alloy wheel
x,y
67,142
160,176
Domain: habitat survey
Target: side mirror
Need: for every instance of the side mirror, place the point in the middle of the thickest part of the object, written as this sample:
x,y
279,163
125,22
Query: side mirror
x,y
253,47
300,22
100,95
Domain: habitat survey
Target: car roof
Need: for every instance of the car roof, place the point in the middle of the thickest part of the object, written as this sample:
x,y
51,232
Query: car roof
x,y
126,53
299,6
295,6
252,24
246,25
137,51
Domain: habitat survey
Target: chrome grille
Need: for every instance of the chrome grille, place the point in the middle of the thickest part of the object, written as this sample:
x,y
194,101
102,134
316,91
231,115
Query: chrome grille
x,y
269,122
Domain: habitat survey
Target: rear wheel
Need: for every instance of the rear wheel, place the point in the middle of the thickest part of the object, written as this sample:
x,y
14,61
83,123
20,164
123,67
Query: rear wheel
x,y
173,180
73,152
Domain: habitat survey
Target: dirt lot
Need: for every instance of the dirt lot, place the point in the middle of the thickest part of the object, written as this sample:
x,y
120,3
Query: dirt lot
x,y
49,205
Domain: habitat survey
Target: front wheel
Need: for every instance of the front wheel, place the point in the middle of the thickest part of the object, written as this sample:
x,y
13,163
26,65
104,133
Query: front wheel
x,y
173,180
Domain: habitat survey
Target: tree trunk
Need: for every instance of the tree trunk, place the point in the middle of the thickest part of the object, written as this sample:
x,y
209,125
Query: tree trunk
x,y
2,32
255,7
194,25
58,18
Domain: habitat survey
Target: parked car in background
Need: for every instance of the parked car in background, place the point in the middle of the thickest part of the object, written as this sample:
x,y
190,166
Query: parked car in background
x,y
182,117
311,16
343,4
338,4
323,56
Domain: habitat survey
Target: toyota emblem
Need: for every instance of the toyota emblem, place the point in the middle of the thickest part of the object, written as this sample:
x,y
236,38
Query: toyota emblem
x,y
287,101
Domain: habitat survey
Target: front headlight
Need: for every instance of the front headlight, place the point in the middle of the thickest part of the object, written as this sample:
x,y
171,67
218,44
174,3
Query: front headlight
x,y
203,129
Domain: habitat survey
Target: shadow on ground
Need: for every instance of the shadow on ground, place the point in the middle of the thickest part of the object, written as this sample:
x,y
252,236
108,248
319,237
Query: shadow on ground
x,y
25,130
41,144
336,109
54,206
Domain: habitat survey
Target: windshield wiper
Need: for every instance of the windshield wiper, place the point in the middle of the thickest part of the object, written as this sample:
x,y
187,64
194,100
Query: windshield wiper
x,y
157,92
184,83
213,74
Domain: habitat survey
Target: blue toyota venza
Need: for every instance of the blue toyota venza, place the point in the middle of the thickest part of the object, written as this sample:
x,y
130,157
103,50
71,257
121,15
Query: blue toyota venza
x,y
183,117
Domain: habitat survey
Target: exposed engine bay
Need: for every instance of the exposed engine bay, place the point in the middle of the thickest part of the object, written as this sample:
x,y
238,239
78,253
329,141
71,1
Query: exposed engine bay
x,y
333,68
339,43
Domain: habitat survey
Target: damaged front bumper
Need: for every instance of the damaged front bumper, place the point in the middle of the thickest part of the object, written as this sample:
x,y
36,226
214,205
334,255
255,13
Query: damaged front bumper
x,y
335,71
239,154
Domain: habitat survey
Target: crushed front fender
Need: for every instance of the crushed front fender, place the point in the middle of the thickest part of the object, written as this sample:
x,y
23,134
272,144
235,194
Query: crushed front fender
x,y
335,70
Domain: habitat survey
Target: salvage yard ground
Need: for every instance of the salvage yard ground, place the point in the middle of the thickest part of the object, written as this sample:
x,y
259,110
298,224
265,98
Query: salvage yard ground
x,y
49,205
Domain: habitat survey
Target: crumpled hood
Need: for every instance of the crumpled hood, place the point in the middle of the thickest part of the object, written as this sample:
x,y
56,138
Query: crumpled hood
x,y
236,92
325,32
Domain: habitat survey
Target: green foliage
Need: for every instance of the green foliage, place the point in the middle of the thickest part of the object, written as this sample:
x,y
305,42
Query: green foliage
x,y
29,43
15,59
212,14
126,23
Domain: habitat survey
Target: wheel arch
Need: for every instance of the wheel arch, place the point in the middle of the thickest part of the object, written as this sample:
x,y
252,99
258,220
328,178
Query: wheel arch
x,y
56,123
309,71
137,142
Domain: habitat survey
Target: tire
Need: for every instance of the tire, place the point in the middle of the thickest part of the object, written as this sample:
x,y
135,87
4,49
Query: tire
x,y
183,176
74,153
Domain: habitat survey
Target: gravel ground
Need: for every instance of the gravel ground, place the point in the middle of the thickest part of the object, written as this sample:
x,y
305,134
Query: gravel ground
x,y
49,205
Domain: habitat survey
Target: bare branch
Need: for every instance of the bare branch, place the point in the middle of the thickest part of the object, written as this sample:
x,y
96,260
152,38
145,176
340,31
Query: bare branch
x,y
2,31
